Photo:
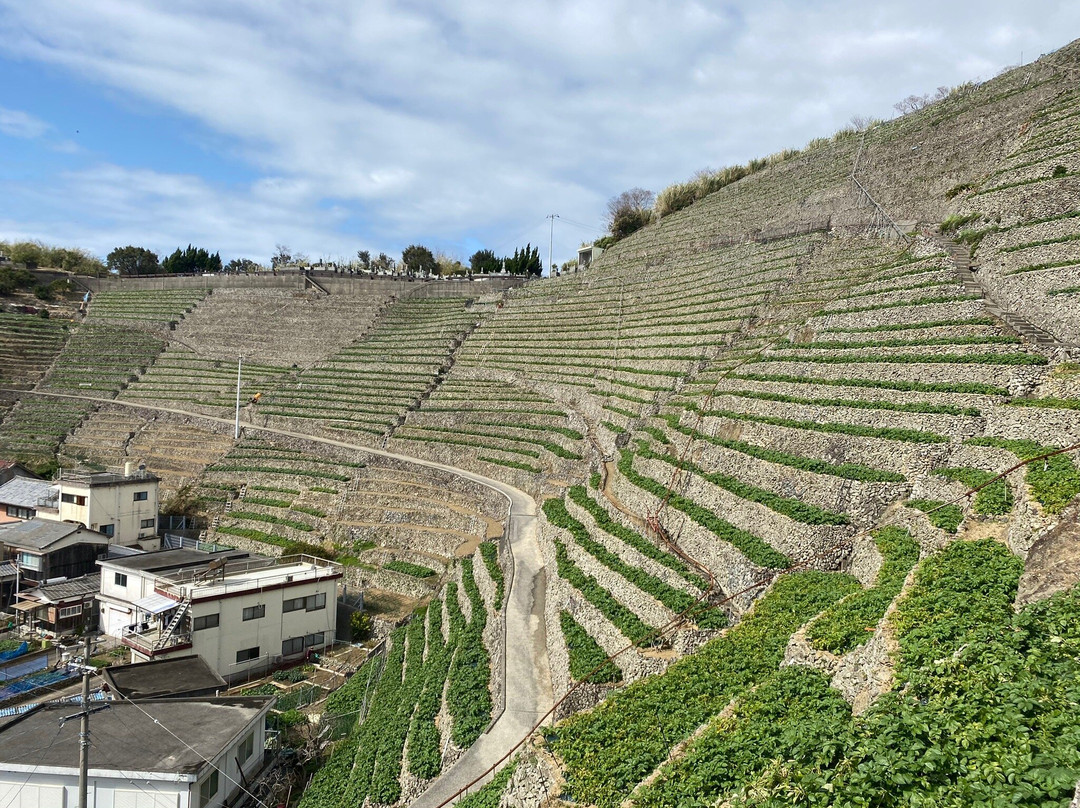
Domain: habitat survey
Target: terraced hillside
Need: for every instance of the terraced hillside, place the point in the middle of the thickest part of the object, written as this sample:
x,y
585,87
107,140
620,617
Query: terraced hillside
x,y
789,554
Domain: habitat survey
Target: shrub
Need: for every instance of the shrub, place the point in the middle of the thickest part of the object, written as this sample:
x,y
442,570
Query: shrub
x,y
586,655
1059,172
945,517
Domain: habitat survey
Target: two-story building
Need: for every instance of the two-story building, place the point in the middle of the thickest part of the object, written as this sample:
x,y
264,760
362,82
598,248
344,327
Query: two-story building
x,y
123,506
44,550
183,753
242,614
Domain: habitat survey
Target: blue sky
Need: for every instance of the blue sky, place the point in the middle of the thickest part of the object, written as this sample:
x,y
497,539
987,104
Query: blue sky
x,y
344,125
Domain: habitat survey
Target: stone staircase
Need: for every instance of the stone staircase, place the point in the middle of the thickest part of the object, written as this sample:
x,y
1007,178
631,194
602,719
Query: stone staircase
x,y
961,260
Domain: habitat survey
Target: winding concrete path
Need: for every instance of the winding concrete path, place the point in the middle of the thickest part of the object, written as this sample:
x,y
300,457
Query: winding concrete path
x,y
528,677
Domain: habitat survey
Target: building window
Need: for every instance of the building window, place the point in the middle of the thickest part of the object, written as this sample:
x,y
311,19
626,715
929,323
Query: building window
x,y
312,603
73,499
247,654
120,579
29,561
208,789
141,496
20,513
296,645
247,747
206,621
108,530
147,523
71,611
255,612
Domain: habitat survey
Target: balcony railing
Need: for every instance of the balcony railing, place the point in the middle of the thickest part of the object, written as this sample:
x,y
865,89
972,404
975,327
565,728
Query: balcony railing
x,y
249,574
145,639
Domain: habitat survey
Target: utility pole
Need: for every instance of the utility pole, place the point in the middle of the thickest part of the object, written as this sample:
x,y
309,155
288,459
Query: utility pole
x,y
239,364
84,726
551,237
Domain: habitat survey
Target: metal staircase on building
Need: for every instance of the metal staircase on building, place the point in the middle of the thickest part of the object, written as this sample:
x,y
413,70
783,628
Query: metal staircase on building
x,y
170,629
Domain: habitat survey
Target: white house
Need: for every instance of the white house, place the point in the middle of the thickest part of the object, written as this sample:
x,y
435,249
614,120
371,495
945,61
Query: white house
x,y
169,753
240,613
123,506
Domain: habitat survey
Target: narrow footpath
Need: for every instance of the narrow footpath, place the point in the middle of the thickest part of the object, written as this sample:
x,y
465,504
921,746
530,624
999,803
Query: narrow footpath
x,y
528,676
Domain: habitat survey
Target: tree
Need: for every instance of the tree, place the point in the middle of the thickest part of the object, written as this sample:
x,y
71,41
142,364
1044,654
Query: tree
x,y
418,259
485,262
364,257
245,265
282,256
384,263
131,260
192,261
629,211
524,261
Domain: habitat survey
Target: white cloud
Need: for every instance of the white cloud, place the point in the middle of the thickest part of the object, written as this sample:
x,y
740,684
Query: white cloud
x,y
380,123
17,123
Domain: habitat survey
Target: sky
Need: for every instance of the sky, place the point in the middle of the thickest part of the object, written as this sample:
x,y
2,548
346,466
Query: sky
x,y
340,125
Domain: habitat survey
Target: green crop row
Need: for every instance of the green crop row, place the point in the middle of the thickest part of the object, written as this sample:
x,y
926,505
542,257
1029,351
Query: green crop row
x,y
911,326
851,622
994,500
675,599
919,301
468,698
586,655
269,503
919,406
754,548
405,568
490,795
945,517
425,742
790,507
489,551
277,470
273,520
310,511
973,388
610,749
603,520
885,433
917,359
1054,482
631,626
846,471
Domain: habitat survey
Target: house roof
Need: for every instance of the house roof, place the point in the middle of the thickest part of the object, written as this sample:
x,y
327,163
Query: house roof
x,y
40,534
24,491
161,678
156,735
71,589
169,560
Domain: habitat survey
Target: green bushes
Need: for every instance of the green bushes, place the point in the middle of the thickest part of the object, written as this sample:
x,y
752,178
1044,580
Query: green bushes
x,y
945,517
956,221
586,655
917,359
468,698
994,500
792,714
425,745
755,549
607,751
490,795
1054,482
845,625
406,568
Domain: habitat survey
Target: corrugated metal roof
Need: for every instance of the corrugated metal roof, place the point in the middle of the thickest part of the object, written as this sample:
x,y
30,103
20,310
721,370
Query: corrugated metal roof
x,y
24,492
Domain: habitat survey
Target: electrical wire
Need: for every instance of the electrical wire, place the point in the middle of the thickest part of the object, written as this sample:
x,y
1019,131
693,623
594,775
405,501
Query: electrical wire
x,y
191,748
18,791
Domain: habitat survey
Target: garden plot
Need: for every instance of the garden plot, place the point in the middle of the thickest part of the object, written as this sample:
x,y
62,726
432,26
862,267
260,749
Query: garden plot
x,y
182,377
33,428
429,700
100,360
367,386
277,327
28,345
155,309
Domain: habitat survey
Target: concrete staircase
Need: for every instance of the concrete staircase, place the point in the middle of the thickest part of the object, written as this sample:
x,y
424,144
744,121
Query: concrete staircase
x,y
961,260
